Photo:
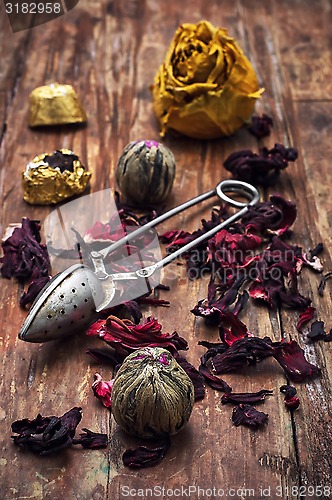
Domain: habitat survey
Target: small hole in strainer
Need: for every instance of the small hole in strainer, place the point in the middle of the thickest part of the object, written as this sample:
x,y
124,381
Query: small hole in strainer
x,y
75,306
49,316
82,316
72,322
45,331
73,290
85,300
62,296
62,311
83,284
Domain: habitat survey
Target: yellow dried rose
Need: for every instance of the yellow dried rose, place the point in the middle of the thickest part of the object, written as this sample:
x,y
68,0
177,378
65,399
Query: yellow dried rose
x,y
206,87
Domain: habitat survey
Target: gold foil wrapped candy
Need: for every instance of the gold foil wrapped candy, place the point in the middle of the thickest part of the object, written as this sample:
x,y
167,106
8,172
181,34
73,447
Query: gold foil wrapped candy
x,y
53,177
55,104
145,172
152,395
206,86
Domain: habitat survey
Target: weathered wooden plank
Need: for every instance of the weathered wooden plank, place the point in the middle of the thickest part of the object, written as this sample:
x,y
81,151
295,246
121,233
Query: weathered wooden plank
x,y
314,428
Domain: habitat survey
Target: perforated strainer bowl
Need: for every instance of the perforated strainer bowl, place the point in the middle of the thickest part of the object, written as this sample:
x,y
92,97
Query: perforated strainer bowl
x,y
67,304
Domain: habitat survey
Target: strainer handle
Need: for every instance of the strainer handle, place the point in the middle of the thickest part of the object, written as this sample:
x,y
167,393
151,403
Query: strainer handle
x,y
234,186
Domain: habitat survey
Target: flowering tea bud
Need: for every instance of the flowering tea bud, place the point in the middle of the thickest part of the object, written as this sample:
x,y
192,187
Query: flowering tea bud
x,y
145,172
152,395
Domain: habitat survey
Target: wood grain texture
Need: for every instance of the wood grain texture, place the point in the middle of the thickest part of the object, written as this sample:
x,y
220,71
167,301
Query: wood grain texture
x,y
110,51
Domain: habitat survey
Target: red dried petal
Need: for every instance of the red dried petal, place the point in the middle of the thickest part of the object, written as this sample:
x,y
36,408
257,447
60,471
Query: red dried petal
x,y
291,358
45,435
292,402
123,335
260,126
248,415
142,456
275,216
24,256
91,440
245,397
305,317
103,390
215,382
195,377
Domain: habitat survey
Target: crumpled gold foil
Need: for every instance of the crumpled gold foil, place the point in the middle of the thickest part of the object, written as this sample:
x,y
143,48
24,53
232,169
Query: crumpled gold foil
x,y
206,87
45,185
55,104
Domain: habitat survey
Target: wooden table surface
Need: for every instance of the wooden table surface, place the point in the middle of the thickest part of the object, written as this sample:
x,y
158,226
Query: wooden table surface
x,y
110,52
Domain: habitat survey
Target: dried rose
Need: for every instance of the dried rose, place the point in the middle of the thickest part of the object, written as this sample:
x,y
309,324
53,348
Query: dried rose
x,y
206,86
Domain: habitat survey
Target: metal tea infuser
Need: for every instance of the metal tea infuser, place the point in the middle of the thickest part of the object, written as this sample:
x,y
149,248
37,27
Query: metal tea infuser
x,y
73,299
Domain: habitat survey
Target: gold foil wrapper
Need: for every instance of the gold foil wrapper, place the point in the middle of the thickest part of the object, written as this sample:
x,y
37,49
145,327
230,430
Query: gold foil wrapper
x,y
45,185
55,104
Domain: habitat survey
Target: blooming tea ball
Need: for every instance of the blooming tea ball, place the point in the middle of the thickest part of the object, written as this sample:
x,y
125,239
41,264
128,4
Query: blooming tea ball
x,y
152,395
145,172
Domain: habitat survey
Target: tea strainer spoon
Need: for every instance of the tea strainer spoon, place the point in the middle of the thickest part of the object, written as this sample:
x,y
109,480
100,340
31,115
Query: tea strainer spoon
x,y
74,298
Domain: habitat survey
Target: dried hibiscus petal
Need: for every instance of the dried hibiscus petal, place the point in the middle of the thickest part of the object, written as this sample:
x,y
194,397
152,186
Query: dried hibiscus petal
x,y
248,415
262,168
45,435
245,397
260,125
124,336
91,440
103,390
275,216
195,377
142,456
215,382
33,290
24,256
243,352
275,276
291,358
292,402
322,283
305,317
106,356
317,332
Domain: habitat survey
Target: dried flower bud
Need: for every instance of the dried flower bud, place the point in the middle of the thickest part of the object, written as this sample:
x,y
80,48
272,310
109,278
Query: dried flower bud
x,y
152,395
206,87
145,172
